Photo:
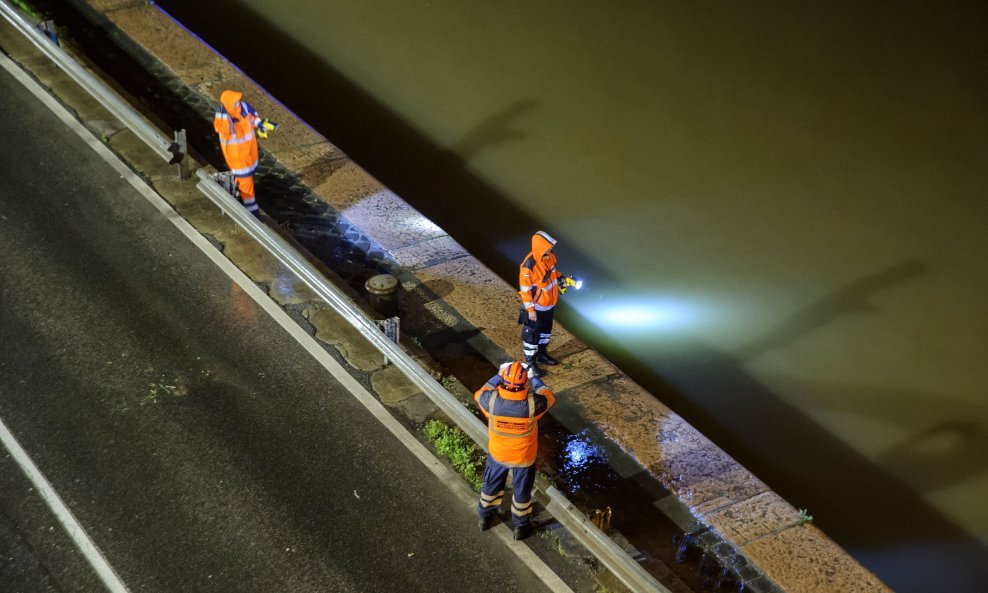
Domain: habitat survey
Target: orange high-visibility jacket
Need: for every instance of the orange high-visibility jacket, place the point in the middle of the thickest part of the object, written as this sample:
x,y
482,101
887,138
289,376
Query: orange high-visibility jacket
x,y
538,279
512,420
235,122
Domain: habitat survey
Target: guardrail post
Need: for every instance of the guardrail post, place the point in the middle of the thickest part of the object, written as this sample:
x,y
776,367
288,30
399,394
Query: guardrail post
x,y
48,29
42,39
391,328
180,148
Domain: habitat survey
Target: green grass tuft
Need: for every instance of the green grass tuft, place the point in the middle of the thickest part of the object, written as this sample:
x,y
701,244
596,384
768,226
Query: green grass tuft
x,y
27,8
467,458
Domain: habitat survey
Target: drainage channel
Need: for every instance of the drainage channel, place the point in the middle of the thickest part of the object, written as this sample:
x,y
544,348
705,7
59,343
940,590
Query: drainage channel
x,y
596,477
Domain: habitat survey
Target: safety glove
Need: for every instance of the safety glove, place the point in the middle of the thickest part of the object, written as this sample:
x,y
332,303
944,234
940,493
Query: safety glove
x,y
537,384
265,127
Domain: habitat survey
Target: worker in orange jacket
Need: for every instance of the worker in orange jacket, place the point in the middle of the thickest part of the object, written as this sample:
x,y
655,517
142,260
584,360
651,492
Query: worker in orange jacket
x,y
238,124
539,284
513,411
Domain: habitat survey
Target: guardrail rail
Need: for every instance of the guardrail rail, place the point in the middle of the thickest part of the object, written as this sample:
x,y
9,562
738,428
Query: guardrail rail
x,y
174,151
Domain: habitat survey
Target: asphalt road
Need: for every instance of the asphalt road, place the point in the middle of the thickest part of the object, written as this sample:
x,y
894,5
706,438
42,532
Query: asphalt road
x,y
253,470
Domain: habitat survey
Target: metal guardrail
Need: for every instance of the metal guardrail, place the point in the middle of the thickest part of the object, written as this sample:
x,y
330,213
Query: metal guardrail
x,y
604,548
341,303
172,151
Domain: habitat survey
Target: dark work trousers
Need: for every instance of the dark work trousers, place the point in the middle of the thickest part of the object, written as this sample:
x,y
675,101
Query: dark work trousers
x,y
492,492
535,334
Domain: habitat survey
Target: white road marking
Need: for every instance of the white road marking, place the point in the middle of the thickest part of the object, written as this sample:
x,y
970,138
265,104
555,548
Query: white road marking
x,y
62,513
453,481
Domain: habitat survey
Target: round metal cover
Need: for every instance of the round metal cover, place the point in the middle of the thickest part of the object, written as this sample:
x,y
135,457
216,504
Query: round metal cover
x,y
382,284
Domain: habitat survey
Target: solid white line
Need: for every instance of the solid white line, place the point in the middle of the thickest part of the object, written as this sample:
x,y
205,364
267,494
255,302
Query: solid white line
x,y
455,483
62,513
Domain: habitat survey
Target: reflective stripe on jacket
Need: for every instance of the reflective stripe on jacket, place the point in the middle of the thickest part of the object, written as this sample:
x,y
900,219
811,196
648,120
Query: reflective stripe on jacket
x,y
512,420
538,279
235,125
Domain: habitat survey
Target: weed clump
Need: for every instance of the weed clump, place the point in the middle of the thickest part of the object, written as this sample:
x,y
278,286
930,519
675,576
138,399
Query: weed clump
x,y
467,458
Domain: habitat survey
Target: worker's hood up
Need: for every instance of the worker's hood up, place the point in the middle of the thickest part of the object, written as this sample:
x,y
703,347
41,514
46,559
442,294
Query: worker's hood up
x,y
541,243
229,100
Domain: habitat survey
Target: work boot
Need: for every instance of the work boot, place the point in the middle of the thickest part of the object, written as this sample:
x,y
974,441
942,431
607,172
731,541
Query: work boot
x,y
533,368
485,522
543,356
545,359
522,531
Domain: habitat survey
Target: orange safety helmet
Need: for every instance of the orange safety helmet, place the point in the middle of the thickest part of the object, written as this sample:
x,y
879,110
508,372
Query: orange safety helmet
x,y
514,375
